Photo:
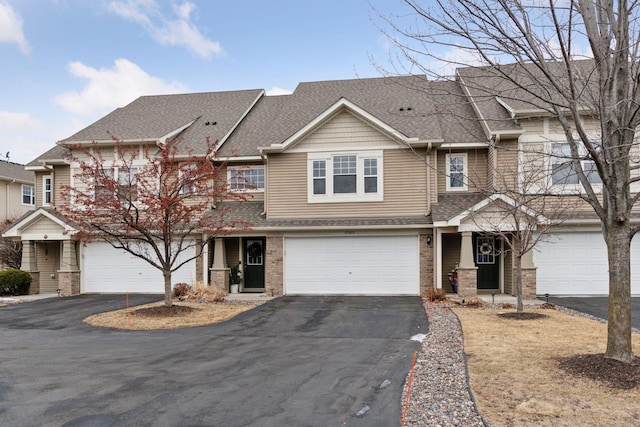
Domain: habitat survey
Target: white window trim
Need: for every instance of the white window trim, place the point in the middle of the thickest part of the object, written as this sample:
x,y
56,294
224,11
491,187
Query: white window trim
x,y
33,195
567,188
232,169
44,190
465,169
360,195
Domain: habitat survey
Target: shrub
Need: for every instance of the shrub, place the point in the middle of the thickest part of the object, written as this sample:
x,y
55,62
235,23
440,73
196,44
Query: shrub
x,y
14,282
180,290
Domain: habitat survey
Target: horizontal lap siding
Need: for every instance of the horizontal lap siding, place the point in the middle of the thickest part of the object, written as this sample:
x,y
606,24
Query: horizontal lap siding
x,y
344,131
476,169
405,189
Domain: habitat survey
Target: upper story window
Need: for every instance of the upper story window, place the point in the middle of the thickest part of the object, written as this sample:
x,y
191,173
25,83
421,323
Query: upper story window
x,y
563,172
456,170
127,183
187,180
127,186
246,178
345,177
47,189
28,195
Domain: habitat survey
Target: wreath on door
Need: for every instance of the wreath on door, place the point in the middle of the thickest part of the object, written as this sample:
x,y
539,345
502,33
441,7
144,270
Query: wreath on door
x,y
486,248
255,250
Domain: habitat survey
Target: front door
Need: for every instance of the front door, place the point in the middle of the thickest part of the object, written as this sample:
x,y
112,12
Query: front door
x,y
254,264
487,259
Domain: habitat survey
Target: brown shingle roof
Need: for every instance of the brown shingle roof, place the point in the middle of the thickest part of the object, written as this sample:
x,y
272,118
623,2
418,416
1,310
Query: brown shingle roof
x,y
153,117
10,171
251,212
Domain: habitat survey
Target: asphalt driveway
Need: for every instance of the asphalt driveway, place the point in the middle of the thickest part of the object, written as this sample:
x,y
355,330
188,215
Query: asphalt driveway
x,y
303,361
597,306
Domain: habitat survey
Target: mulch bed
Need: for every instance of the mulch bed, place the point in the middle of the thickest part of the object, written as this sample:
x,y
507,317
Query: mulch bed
x,y
609,372
522,316
164,311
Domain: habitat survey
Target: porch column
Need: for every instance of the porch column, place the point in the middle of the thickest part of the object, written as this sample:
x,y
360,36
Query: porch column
x,y
467,270
30,265
219,270
529,276
69,273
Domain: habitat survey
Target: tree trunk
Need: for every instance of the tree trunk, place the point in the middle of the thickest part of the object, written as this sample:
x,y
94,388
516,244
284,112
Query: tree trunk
x,y
618,240
168,292
519,304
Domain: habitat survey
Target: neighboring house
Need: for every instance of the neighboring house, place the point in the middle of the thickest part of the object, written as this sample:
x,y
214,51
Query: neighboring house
x,y
367,186
17,191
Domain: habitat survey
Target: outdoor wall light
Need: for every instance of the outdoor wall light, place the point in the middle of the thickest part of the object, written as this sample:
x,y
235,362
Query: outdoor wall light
x,y
429,240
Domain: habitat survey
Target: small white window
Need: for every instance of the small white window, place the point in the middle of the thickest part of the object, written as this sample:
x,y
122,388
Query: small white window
x,y
246,178
127,183
319,177
47,189
456,165
187,181
28,195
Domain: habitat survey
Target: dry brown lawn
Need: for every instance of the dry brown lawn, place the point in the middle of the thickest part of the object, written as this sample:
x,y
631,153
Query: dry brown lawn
x,y
516,379
155,316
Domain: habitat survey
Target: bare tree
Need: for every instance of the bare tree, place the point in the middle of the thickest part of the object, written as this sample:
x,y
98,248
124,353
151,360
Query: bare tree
x,y
542,45
155,203
10,251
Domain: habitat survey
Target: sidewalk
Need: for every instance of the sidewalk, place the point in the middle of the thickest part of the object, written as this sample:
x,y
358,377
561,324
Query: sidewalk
x,y
26,298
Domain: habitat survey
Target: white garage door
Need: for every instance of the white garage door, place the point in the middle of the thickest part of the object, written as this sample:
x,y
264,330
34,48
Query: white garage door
x,y
363,265
576,264
106,269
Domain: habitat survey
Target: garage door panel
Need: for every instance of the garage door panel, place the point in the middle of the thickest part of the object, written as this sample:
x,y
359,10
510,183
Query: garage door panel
x,y
371,265
109,270
577,264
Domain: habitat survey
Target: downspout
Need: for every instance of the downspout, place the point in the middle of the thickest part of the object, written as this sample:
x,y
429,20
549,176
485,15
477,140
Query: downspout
x,y
429,147
266,184
494,166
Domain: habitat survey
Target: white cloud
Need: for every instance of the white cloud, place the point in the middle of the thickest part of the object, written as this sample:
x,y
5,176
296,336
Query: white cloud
x,y
112,87
172,31
278,91
11,28
17,121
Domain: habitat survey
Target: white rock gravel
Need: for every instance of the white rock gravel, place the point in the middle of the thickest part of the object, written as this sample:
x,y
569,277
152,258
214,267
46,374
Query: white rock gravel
x,y
440,394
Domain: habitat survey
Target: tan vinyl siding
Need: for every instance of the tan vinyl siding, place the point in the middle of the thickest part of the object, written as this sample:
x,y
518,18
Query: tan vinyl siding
x,y
45,226
476,169
345,131
11,201
450,257
508,272
405,189
506,173
61,178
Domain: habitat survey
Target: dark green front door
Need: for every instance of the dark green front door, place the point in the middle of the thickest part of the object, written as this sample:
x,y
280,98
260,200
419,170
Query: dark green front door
x,y
254,263
487,259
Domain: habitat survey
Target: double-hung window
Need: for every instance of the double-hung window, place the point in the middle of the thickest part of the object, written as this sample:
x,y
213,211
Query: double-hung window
x,y
47,189
28,195
127,183
344,177
456,170
563,172
246,178
187,179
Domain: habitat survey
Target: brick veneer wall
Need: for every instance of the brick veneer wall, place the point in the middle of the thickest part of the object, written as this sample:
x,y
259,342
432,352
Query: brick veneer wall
x,y
220,279
467,282
529,283
69,283
274,276
426,264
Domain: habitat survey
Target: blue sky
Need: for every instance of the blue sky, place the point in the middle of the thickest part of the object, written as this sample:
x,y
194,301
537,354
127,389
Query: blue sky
x,y
66,63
